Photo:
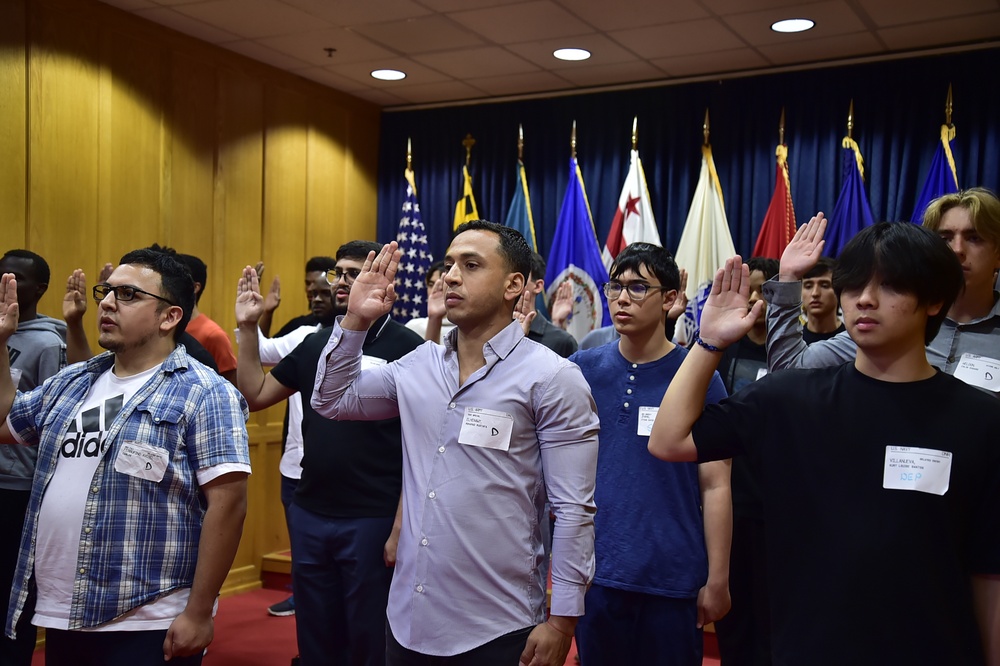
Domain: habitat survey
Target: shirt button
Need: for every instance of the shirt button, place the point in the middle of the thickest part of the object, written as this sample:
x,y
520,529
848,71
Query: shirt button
x,y
631,378
951,359
451,405
423,542
432,494
634,365
94,489
626,404
629,391
420,588
82,570
87,530
440,449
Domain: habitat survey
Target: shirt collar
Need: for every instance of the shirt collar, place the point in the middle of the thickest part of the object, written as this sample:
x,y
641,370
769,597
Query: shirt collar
x,y
501,344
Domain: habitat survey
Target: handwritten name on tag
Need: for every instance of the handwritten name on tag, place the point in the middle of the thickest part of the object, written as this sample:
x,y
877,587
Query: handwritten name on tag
x,y
981,371
142,461
486,428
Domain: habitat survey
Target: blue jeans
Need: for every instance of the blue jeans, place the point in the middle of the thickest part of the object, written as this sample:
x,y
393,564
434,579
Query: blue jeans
x,y
341,587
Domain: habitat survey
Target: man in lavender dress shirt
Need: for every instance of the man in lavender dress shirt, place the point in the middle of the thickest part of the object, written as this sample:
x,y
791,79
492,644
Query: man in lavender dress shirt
x,y
492,422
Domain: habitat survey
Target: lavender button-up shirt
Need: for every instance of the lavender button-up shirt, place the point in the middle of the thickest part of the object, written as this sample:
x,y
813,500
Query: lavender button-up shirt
x,y
467,567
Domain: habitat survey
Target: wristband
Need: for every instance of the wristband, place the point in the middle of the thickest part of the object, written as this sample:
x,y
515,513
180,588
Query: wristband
x,y
559,630
705,345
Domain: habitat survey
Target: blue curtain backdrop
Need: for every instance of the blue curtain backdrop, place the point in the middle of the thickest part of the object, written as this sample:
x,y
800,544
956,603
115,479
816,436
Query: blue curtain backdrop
x,y
898,109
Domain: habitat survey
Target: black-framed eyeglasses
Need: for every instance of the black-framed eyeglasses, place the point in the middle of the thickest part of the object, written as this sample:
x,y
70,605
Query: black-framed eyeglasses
x,y
350,273
636,290
123,292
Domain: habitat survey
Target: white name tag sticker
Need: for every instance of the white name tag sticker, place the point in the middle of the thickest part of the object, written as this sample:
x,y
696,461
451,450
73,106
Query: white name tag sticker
x,y
486,428
910,468
760,373
371,362
142,461
646,417
981,371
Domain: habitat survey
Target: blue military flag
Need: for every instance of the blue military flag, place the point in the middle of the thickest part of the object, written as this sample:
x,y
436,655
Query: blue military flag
x,y
519,216
942,178
851,213
412,238
575,256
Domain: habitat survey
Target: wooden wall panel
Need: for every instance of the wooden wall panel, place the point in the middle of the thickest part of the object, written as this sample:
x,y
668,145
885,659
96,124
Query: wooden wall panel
x,y
326,208
63,158
14,126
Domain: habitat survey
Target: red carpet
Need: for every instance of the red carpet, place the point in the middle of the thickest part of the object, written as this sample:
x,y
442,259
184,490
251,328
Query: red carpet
x,y
245,635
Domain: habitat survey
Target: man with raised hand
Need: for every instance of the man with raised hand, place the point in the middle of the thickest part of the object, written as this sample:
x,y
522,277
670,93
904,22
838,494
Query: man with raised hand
x,y
966,346
139,494
490,422
893,514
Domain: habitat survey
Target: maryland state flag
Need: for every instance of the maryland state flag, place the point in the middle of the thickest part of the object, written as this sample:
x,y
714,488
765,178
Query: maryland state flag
x,y
779,222
705,244
519,216
416,258
465,209
575,257
942,178
851,213
633,221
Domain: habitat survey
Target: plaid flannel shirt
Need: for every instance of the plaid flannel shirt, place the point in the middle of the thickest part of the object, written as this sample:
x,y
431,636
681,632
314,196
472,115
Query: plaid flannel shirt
x,y
139,538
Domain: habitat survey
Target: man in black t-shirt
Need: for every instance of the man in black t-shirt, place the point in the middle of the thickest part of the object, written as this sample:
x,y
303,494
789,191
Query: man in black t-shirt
x,y
349,492
819,301
881,542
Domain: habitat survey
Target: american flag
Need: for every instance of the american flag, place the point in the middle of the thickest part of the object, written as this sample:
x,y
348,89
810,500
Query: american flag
x,y
411,293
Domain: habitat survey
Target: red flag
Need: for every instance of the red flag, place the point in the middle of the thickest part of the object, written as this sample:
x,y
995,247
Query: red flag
x,y
779,222
634,219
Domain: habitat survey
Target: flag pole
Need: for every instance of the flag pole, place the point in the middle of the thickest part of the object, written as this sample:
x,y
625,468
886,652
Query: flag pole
x,y
705,128
781,128
947,109
468,142
409,155
520,142
635,133
850,120
572,141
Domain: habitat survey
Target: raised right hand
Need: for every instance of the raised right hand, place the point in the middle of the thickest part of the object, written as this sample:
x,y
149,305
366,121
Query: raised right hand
x,y
435,301
373,293
75,301
804,250
8,307
249,302
726,318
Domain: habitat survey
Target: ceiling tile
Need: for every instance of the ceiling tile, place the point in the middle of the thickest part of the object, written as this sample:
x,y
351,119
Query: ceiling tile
x,y
380,97
601,75
948,31
415,72
308,46
187,25
252,18
817,50
130,5
263,54
420,35
723,7
487,61
711,63
603,51
898,12
525,22
331,79
664,41
445,91
623,14
514,84
353,12
832,18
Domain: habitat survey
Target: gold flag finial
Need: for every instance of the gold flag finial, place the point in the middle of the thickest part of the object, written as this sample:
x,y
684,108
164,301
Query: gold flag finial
x,y
520,142
572,141
850,120
468,142
705,128
635,133
781,128
947,108
409,154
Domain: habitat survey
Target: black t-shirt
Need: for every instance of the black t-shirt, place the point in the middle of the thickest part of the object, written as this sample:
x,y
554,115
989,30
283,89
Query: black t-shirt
x,y
350,469
858,573
742,364
809,337
303,320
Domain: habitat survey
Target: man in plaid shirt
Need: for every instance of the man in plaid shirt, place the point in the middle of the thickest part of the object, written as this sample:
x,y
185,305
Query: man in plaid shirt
x,y
139,495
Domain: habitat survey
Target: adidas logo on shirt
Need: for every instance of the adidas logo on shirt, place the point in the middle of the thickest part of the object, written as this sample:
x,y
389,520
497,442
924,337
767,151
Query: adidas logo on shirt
x,y
87,440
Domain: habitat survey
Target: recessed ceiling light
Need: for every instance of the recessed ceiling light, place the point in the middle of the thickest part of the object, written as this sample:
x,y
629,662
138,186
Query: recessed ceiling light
x,y
792,25
571,54
388,74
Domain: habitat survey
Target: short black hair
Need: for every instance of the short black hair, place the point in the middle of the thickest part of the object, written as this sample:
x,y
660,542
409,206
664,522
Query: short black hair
x,y
433,268
176,284
39,267
513,248
538,266
198,270
321,264
907,258
769,267
357,249
657,260
823,266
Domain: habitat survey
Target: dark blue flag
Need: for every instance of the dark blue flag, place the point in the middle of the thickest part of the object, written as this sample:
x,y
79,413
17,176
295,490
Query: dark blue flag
x,y
852,213
941,179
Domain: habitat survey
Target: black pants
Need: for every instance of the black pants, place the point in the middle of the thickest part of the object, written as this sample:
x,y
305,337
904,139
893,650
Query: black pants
x,y
109,648
13,505
503,651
